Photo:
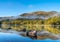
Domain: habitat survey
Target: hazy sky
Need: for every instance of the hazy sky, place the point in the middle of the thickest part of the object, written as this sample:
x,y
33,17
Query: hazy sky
x,y
17,7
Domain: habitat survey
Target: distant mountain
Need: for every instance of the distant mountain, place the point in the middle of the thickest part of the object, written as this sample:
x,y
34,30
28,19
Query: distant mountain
x,y
7,18
33,15
39,15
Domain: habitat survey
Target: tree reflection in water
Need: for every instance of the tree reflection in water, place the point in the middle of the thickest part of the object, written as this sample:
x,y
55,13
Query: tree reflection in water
x,y
56,25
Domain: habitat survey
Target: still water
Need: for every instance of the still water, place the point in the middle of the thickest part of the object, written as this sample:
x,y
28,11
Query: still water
x,y
9,37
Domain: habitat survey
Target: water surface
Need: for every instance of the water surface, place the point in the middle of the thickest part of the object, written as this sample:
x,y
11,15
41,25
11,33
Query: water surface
x,y
9,37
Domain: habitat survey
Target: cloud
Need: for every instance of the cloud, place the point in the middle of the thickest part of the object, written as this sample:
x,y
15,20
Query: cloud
x,y
30,6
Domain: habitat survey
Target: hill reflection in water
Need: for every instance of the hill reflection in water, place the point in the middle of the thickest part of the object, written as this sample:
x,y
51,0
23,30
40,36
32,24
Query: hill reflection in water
x,y
41,35
9,37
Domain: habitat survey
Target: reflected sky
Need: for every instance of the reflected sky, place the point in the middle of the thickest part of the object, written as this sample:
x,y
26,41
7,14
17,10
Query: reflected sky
x,y
9,37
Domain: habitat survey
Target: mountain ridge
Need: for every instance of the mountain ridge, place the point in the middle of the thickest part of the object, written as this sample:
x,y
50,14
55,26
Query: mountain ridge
x,y
33,15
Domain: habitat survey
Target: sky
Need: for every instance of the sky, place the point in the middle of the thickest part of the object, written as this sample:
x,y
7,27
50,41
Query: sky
x,y
17,7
